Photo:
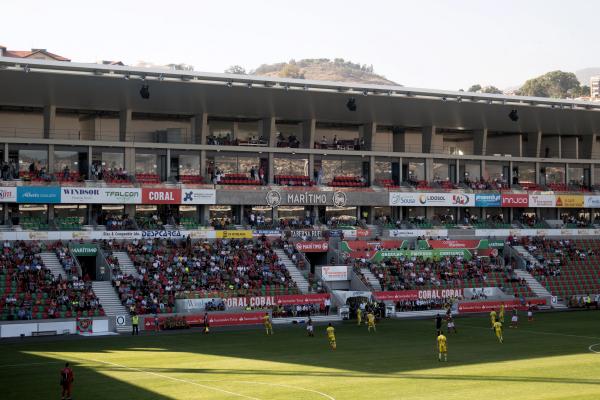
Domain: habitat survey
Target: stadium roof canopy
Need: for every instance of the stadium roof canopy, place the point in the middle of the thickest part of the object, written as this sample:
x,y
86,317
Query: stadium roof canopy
x,y
37,83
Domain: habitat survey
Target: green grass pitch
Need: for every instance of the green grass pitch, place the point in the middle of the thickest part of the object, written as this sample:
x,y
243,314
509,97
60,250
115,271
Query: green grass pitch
x,y
547,359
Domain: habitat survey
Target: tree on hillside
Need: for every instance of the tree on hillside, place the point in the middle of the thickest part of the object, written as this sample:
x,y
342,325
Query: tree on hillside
x,y
236,69
475,88
291,71
491,89
556,84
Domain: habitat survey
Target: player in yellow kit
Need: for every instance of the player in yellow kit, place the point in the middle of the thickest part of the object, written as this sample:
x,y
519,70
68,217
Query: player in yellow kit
x,y
501,313
268,324
359,315
498,330
371,321
493,317
442,347
331,336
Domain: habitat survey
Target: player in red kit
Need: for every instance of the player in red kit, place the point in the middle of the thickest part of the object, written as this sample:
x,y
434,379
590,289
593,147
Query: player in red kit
x,y
66,382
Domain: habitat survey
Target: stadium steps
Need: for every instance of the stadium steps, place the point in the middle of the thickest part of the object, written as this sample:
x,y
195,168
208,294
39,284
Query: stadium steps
x,y
303,320
373,281
295,273
110,302
522,251
52,262
126,264
536,287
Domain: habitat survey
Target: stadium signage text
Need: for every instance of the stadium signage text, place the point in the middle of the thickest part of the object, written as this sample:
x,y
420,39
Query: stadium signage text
x,y
411,295
312,247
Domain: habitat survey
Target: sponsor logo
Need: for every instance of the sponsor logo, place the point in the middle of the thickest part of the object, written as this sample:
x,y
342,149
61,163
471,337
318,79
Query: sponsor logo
x,y
339,199
460,199
273,198
432,198
515,200
188,196
7,194
161,196
81,192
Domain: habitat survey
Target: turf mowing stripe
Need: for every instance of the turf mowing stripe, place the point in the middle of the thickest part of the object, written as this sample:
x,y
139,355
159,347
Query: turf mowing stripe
x,y
539,332
29,364
170,378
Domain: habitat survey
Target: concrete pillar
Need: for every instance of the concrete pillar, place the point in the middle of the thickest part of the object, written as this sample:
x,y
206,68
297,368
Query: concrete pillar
x,y
480,142
308,133
130,210
268,129
90,157
511,174
551,147
429,169
311,167
203,164
50,213
432,142
371,170
592,175
168,172
367,133
204,220
457,172
130,160
6,152
124,124
537,173
534,142
199,123
589,147
271,168
50,168
235,130
567,175
398,140
49,120
400,171
275,214
482,170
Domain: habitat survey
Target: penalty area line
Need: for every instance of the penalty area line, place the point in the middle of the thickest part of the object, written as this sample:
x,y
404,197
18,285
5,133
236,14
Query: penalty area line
x,y
170,378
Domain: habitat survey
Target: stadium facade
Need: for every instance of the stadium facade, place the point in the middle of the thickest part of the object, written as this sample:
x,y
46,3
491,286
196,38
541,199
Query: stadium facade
x,y
70,120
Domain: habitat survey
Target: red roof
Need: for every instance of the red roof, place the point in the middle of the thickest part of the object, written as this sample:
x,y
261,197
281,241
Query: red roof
x,y
32,53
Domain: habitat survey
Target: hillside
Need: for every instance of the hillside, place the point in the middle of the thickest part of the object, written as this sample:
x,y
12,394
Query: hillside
x,y
584,75
323,69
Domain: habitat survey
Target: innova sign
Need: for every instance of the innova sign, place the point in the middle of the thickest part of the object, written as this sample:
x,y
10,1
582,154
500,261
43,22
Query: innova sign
x,y
517,200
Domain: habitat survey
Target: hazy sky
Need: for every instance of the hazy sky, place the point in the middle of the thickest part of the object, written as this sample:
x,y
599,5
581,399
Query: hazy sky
x,y
422,43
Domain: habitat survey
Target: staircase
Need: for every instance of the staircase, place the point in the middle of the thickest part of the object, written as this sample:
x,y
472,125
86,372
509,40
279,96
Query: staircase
x,y
522,251
52,262
295,273
111,303
536,287
126,264
372,279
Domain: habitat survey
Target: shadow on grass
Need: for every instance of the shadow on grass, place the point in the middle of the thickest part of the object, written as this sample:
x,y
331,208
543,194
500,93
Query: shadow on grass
x,y
396,351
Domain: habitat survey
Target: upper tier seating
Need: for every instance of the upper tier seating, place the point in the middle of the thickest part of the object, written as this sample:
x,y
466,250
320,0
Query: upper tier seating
x,y
348,181
293,180
238,179
147,178
191,179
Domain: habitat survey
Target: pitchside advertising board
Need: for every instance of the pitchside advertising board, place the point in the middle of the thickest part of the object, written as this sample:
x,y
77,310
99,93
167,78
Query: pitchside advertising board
x,y
101,195
427,294
334,273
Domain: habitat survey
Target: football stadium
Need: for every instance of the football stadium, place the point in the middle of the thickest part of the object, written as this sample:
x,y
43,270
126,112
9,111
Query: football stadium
x,y
173,234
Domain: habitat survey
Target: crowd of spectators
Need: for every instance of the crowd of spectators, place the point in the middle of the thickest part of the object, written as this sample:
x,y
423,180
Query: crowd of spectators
x,y
31,291
9,170
116,222
225,267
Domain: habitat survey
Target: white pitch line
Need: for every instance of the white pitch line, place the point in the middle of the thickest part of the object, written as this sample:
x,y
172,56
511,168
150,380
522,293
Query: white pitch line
x,y
170,378
29,364
276,384
591,348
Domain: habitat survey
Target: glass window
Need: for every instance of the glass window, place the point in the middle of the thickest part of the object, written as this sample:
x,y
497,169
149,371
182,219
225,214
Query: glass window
x,y
189,164
440,171
494,171
554,174
292,212
333,168
33,216
71,211
145,164
383,170
525,172
235,165
340,215
471,171
576,175
66,159
37,157
290,166
112,161
416,171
